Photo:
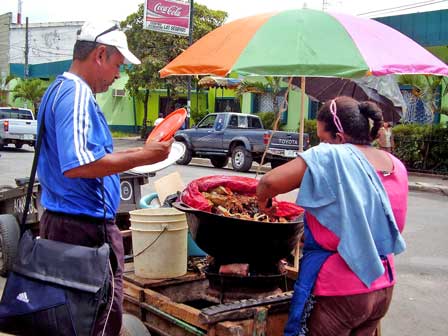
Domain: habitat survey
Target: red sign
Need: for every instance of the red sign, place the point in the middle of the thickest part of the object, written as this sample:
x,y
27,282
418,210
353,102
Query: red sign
x,y
168,16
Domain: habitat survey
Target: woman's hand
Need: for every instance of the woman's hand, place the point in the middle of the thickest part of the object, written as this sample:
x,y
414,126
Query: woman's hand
x,y
265,206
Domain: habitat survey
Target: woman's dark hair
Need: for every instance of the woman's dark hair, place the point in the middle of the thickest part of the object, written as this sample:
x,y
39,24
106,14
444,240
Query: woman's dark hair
x,y
82,49
360,120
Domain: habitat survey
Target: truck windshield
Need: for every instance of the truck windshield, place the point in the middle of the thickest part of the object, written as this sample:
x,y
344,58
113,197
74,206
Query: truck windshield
x,y
15,113
208,122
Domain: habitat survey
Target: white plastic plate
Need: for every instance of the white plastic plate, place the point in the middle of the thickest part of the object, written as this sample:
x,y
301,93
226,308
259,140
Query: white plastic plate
x,y
177,150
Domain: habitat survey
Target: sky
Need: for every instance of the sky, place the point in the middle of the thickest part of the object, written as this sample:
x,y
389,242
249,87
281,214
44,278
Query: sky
x,y
82,10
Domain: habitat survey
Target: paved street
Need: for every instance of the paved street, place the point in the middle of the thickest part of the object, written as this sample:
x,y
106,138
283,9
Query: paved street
x,y
420,299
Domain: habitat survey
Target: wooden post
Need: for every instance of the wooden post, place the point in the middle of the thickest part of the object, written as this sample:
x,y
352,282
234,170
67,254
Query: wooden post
x,y
302,113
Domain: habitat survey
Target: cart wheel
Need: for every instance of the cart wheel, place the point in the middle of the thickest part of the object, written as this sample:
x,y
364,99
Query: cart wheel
x,y
9,240
132,326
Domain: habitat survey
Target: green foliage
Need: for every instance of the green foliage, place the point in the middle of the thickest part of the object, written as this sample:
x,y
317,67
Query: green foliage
x,y
268,119
155,50
4,91
427,87
271,86
31,90
310,127
196,115
422,147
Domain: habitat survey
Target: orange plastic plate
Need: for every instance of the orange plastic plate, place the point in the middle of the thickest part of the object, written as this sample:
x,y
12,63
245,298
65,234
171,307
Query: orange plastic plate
x,y
166,129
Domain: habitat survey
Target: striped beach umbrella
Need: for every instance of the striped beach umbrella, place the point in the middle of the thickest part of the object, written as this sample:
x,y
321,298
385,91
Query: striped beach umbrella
x,y
306,43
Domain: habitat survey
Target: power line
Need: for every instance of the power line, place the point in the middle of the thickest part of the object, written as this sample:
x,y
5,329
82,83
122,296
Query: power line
x,y
399,7
404,7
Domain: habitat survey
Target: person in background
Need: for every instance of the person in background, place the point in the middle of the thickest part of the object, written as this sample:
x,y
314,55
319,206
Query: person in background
x,y
386,138
355,201
158,121
78,169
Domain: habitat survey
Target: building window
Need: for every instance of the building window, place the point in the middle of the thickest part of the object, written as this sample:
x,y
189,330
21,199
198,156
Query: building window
x,y
227,105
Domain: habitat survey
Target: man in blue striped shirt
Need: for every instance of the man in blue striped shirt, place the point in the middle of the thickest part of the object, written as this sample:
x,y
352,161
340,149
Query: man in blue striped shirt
x,y
78,169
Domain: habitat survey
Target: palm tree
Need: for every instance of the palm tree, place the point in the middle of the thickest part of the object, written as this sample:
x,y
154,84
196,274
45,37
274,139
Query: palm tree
x,y
31,90
268,90
428,88
4,90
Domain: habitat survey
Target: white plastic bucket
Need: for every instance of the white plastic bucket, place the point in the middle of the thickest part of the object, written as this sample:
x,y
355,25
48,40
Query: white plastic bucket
x,y
159,242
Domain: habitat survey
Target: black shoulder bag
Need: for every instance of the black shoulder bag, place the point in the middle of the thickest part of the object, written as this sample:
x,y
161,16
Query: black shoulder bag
x,y
54,288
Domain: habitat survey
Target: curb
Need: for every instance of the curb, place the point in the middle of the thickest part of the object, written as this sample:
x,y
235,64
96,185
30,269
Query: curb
x,y
426,187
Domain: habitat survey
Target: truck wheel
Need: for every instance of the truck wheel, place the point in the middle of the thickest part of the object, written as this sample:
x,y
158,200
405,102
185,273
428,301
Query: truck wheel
x,y
219,161
9,240
276,163
241,159
132,326
186,158
18,145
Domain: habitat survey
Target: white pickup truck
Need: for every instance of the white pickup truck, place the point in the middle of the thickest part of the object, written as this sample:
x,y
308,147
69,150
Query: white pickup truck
x,y
17,126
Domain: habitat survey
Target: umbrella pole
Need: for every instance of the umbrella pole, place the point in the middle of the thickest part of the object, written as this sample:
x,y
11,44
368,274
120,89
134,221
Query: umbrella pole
x,y
302,113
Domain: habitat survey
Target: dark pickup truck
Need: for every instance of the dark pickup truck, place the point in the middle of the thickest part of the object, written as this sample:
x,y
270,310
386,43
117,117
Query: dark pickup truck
x,y
241,137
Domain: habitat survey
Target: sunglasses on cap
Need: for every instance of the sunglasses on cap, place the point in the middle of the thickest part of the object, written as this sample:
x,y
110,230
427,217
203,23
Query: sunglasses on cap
x,y
114,27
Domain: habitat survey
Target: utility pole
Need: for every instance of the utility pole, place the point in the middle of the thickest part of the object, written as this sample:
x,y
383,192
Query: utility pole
x,y
25,74
190,41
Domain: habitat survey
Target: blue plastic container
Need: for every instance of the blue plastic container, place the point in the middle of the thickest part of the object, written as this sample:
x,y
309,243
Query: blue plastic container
x,y
193,249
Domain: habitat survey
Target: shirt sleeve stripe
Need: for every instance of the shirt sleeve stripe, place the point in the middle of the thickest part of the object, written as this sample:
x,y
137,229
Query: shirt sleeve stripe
x,y
81,123
81,117
89,153
75,123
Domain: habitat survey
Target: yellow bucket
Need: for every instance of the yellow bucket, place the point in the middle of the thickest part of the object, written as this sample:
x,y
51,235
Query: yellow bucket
x,y
159,241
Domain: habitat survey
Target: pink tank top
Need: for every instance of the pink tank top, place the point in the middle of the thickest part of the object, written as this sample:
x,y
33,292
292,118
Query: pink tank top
x,y
335,277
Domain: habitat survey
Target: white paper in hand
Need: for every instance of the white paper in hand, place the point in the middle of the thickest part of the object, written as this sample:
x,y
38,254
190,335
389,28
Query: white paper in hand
x,y
177,150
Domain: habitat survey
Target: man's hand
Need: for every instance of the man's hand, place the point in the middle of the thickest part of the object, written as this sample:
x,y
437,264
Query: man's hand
x,y
151,152
155,151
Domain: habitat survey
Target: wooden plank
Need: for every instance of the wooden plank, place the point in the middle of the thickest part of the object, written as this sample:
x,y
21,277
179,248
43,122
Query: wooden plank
x,y
163,326
154,283
276,322
131,306
240,328
178,310
260,322
133,291
240,314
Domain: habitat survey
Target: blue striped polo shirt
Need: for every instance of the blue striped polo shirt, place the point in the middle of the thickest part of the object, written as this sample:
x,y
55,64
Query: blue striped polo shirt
x,y
76,134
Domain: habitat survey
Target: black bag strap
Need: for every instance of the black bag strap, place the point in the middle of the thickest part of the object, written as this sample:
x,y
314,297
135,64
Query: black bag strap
x,y
40,134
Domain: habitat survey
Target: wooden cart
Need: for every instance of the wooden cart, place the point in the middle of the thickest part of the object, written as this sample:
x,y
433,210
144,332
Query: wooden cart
x,y
181,307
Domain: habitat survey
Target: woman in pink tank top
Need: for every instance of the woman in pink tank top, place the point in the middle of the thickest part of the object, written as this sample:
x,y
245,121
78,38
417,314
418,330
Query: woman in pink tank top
x,y
338,302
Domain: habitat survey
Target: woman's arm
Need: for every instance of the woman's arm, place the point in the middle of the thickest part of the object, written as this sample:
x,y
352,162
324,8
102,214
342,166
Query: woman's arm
x,y
280,180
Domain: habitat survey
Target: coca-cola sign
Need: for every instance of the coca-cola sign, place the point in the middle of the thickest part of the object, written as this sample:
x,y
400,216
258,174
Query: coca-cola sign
x,y
169,16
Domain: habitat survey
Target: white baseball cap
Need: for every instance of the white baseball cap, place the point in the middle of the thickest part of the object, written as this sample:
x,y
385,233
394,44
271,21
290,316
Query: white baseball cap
x,y
107,32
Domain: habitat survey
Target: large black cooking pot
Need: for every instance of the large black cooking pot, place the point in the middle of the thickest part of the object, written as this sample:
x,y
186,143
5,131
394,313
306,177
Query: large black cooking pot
x,y
232,240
